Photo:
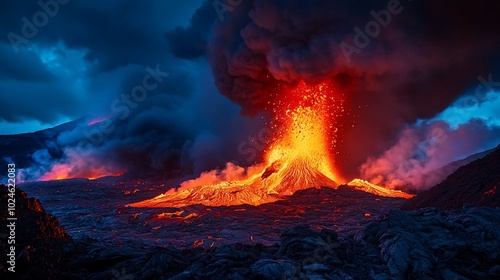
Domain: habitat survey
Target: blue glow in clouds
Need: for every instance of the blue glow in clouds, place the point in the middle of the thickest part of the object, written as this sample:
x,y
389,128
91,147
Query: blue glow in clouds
x,y
469,107
468,126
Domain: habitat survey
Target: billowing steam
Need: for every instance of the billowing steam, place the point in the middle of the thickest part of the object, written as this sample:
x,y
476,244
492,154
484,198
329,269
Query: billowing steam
x,y
421,152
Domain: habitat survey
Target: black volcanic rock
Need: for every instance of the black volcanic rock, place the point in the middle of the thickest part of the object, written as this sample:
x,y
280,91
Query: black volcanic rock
x,y
424,244
477,183
39,238
433,244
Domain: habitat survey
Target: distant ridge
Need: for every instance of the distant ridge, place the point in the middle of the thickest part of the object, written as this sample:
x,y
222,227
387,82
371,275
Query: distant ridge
x,y
477,183
20,147
447,170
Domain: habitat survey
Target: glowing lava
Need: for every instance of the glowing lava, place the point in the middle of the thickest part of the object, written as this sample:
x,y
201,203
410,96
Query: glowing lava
x,y
65,171
366,186
75,166
300,157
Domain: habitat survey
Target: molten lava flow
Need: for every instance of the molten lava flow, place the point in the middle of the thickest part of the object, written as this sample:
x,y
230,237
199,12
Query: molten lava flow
x,y
300,157
366,186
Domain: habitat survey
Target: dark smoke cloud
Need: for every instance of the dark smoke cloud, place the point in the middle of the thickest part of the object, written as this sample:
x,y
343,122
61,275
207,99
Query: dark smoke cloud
x,y
85,59
157,140
191,42
98,44
429,54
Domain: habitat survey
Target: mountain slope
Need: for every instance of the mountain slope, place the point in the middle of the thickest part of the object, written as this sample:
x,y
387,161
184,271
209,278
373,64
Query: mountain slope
x,y
477,183
19,148
448,169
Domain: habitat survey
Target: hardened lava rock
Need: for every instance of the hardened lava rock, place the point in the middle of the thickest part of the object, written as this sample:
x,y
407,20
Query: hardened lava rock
x,y
424,244
40,240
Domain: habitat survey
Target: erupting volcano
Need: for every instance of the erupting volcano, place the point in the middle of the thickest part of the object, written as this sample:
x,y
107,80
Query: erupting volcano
x,y
256,139
299,157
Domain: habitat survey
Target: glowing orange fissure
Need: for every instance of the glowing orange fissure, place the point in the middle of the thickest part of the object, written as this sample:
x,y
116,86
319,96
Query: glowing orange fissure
x,y
299,157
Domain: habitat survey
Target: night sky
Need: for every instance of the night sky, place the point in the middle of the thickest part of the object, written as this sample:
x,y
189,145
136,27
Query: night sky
x,y
215,68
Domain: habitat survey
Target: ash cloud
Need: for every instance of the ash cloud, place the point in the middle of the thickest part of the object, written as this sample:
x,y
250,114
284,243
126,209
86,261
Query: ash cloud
x,y
428,55
191,42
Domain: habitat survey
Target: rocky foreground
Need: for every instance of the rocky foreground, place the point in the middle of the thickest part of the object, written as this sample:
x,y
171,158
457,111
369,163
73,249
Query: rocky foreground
x,y
40,240
423,244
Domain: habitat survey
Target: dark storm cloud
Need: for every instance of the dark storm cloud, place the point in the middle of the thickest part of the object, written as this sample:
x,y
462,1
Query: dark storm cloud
x,y
86,59
412,67
112,37
116,33
25,67
55,99
191,41
25,80
156,141
160,135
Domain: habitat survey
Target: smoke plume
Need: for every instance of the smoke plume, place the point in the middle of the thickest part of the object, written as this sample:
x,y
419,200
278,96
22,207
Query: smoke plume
x,y
419,58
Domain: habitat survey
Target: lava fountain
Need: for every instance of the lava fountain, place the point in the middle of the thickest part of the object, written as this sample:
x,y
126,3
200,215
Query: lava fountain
x,y
299,157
